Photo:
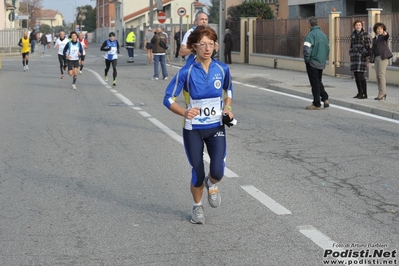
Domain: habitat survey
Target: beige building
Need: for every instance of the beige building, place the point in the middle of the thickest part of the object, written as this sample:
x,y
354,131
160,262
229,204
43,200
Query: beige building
x,y
50,17
5,11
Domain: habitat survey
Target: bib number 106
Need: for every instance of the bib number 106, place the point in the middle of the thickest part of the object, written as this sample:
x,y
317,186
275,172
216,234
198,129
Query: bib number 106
x,y
207,111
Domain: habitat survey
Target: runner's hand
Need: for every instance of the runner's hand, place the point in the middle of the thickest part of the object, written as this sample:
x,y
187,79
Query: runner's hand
x,y
191,113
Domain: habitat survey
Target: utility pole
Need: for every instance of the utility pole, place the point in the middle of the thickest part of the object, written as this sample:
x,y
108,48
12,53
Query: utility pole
x,y
151,13
222,27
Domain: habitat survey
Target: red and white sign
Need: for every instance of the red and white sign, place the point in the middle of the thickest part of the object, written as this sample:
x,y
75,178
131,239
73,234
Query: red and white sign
x,y
161,17
181,11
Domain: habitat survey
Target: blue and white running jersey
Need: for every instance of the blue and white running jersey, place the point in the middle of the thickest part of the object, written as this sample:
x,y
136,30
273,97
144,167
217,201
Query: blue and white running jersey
x,y
73,49
206,91
113,53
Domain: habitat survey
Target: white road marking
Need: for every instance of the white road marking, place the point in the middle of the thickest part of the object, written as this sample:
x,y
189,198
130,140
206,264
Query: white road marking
x,y
266,200
168,131
332,105
123,99
144,114
325,242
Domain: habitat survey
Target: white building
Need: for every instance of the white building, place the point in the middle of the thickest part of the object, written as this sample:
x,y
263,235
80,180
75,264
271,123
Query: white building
x,y
136,13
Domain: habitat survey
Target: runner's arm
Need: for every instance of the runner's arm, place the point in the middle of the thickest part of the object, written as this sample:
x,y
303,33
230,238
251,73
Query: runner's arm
x,y
65,49
103,47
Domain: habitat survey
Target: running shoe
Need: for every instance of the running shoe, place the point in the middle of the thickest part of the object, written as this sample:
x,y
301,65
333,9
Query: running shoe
x,y
214,197
313,107
73,86
114,83
27,68
62,76
24,68
80,72
106,78
197,215
326,104
155,78
165,78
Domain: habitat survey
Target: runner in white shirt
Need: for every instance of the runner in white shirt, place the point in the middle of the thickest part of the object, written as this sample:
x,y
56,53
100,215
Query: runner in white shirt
x,y
60,45
201,19
73,50
49,40
85,45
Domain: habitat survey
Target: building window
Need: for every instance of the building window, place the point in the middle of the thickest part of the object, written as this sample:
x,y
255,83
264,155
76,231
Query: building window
x,y
306,11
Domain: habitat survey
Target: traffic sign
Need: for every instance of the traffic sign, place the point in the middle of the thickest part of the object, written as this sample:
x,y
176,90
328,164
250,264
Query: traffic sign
x,y
161,17
21,17
181,11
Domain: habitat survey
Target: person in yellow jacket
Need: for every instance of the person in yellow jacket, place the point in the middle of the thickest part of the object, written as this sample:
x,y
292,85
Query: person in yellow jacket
x,y
25,43
130,40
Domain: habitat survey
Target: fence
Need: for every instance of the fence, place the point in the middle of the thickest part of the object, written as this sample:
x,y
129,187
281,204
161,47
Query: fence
x,y
235,28
10,38
391,21
284,36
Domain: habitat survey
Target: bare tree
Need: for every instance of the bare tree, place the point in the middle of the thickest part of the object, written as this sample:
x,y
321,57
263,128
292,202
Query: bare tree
x,y
33,9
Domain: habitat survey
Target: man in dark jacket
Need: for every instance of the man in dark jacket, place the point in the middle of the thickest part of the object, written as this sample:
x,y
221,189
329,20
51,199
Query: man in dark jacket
x,y
228,46
315,51
33,37
43,43
159,42
178,41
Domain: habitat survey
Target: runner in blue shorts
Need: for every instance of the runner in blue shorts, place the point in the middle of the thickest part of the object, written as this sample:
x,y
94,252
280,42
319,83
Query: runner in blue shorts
x,y
207,89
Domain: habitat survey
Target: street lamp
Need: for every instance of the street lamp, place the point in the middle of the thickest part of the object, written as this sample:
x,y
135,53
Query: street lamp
x,y
81,17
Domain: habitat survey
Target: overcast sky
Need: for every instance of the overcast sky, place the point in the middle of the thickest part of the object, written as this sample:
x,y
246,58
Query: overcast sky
x,y
66,7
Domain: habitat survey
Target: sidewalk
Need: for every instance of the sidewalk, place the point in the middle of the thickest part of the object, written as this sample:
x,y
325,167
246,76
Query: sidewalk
x,y
340,89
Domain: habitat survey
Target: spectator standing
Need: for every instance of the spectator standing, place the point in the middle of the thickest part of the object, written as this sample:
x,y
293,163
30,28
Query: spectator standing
x,y
130,41
34,38
148,45
43,43
159,53
178,42
359,50
315,51
228,46
381,55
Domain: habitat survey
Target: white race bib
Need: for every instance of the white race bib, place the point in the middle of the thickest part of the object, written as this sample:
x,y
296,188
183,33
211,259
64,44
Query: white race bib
x,y
209,113
113,50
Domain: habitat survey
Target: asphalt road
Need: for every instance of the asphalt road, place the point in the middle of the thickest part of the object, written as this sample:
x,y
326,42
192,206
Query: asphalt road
x,y
98,176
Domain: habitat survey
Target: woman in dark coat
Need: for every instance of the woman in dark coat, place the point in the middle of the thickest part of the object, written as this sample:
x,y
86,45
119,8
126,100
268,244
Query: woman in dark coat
x,y
359,52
